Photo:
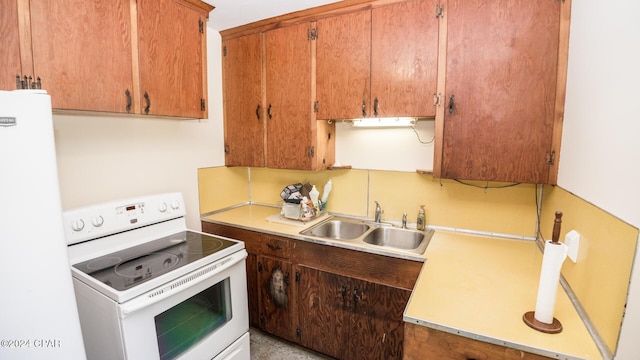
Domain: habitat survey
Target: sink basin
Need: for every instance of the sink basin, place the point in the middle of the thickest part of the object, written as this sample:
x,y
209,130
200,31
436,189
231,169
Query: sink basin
x,y
403,239
337,230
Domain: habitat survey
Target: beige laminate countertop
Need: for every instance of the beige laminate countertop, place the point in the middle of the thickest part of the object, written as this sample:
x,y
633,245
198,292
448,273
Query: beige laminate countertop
x,y
473,286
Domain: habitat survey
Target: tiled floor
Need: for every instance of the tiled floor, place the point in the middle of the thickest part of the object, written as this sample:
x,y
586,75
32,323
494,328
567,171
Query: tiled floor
x,y
266,347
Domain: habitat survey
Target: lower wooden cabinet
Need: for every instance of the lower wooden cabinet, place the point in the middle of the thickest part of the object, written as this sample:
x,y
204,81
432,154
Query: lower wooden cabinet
x,y
425,343
349,318
276,297
332,300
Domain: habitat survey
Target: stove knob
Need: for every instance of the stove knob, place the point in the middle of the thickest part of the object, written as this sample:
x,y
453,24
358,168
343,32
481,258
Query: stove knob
x,y
77,225
175,204
162,207
97,221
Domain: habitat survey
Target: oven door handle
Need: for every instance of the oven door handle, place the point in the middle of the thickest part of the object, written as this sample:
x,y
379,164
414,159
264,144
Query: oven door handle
x,y
183,282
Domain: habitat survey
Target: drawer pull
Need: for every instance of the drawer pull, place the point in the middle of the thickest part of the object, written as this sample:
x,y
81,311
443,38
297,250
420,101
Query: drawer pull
x,y
274,247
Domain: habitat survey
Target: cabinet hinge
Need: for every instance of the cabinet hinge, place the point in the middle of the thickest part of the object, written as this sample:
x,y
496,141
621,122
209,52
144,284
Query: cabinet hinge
x,y
201,26
439,11
311,151
227,149
313,34
315,106
551,157
436,99
224,50
203,105
297,276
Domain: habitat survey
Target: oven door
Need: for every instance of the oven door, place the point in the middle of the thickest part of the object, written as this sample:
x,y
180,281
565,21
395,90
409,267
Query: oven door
x,y
196,316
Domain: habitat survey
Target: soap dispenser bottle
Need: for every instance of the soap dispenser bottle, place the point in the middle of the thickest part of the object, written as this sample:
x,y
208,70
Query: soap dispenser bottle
x,y
420,223
314,197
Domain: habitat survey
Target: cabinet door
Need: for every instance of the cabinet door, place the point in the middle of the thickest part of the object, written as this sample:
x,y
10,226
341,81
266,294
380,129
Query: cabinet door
x,y
172,69
290,135
243,109
82,53
404,59
343,66
376,325
10,54
323,310
501,68
277,303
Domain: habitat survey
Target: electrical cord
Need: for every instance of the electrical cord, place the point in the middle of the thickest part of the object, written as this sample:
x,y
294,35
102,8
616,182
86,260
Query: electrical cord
x,y
418,136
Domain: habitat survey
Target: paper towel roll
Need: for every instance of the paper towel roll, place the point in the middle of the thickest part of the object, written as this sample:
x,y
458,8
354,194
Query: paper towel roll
x,y
554,255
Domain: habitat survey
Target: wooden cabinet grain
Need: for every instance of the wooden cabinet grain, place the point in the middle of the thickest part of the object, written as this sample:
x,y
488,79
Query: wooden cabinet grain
x,y
82,65
350,318
421,342
276,298
172,57
378,63
505,75
268,109
104,56
243,108
10,54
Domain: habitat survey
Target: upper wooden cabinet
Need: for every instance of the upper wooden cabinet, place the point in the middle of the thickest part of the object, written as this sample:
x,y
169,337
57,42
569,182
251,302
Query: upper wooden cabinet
x,y
82,53
243,108
502,108
267,97
378,63
172,55
293,136
104,56
10,54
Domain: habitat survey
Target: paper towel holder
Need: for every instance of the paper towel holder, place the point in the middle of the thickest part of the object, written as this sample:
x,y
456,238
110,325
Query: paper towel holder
x,y
555,326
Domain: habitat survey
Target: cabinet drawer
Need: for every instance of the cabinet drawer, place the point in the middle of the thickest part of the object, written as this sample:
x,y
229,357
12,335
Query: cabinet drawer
x,y
425,343
275,246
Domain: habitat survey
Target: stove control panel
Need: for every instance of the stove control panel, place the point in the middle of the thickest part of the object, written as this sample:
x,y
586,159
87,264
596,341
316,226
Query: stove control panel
x,y
108,218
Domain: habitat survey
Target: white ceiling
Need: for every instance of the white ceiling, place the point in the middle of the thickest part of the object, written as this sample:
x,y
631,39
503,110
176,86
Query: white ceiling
x,y
232,13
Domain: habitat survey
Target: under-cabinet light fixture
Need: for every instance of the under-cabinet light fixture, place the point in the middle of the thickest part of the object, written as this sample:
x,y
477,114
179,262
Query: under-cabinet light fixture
x,y
384,122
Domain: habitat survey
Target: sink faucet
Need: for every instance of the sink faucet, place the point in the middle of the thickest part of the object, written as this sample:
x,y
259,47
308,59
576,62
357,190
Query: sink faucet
x,y
404,220
378,212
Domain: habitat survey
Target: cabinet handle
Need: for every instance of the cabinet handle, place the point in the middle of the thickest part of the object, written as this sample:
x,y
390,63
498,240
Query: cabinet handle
x,y
148,102
375,107
258,112
274,247
364,108
18,82
355,297
128,94
286,278
343,290
451,104
269,112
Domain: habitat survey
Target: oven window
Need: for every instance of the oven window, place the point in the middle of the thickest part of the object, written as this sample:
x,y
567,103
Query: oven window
x,y
185,324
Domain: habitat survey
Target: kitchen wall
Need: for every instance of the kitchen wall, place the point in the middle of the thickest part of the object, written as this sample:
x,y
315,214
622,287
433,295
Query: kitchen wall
x,y
600,156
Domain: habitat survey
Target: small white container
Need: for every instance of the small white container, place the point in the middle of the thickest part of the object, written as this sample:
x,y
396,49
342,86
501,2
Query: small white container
x,y
291,211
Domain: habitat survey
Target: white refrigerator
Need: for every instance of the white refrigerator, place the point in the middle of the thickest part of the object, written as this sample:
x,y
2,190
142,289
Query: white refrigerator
x,y
38,313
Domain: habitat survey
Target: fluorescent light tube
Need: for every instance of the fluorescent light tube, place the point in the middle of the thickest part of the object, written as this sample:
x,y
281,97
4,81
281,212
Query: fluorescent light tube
x,y
384,122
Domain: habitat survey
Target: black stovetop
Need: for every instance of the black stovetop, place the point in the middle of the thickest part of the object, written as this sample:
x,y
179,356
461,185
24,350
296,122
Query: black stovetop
x,y
126,268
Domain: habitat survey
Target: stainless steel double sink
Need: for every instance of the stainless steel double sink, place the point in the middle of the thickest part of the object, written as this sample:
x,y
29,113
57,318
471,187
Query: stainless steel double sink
x,y
381,235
